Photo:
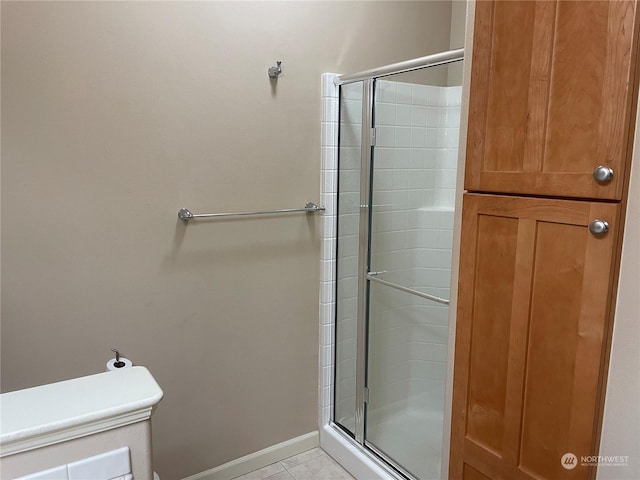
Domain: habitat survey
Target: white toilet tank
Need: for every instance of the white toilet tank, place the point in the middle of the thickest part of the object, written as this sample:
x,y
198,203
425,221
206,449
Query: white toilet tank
x,y
94,427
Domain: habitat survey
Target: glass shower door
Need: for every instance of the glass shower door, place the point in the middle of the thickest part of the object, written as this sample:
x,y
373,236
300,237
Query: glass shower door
x,y
397,158
411,220
348,256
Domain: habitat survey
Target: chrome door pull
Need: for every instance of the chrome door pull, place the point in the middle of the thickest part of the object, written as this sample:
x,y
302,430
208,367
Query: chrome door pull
x,y
602,174
598,227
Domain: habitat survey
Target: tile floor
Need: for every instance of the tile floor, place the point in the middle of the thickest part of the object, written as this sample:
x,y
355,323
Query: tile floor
x,y
313,464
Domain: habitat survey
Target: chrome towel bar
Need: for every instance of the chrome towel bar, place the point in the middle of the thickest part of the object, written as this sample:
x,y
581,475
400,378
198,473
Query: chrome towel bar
x,y
186,215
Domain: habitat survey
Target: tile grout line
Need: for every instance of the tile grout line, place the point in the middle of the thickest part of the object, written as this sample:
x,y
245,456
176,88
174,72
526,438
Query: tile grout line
x,y
322,452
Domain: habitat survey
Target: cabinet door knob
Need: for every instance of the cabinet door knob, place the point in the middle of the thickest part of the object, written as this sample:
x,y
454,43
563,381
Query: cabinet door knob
x,y
602,174
598,227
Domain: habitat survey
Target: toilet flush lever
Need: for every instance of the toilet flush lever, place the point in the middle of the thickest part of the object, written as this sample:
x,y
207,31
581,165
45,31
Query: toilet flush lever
x,y
118,363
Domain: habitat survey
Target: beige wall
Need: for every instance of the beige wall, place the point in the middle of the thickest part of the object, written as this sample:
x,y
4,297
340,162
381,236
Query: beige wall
x,y
621,423
457,39
116,114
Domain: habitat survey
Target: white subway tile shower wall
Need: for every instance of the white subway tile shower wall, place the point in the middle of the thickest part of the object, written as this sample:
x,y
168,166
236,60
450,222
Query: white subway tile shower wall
x,y
417,142
414,186
329,165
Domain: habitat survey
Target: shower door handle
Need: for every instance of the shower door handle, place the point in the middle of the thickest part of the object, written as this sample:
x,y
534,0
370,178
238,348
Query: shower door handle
x,y
377,273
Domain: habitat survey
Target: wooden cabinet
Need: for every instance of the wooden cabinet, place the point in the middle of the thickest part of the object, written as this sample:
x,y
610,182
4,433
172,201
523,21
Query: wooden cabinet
x,y
534,292
552,97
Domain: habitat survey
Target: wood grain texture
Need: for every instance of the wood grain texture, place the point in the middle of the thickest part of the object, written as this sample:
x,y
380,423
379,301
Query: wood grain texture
x,y
577,97
471,473
466,285
538,94
551,348
478,105
552,96
508,92
522,283
493,293
533,304
539,124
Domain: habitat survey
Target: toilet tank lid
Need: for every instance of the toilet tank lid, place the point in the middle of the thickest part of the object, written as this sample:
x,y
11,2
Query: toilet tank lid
x,y
57,412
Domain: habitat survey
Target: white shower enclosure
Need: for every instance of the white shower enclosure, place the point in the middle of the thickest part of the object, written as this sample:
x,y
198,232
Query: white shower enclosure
x,y
393,232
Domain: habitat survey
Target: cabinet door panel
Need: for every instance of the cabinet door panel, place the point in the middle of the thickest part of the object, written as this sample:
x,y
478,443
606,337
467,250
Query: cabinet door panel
x,y
489,356
579,89
552,346
471,473
552,92
508,87
534,291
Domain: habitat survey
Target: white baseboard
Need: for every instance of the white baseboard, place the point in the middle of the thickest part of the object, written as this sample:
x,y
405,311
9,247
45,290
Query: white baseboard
x,y
260,459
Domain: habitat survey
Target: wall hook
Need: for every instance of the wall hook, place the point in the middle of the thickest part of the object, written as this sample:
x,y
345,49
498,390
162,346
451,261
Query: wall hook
x,y
275,70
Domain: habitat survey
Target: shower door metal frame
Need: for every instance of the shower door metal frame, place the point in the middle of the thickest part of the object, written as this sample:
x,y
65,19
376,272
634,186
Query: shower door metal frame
x,y
441,58
368,79
367,142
